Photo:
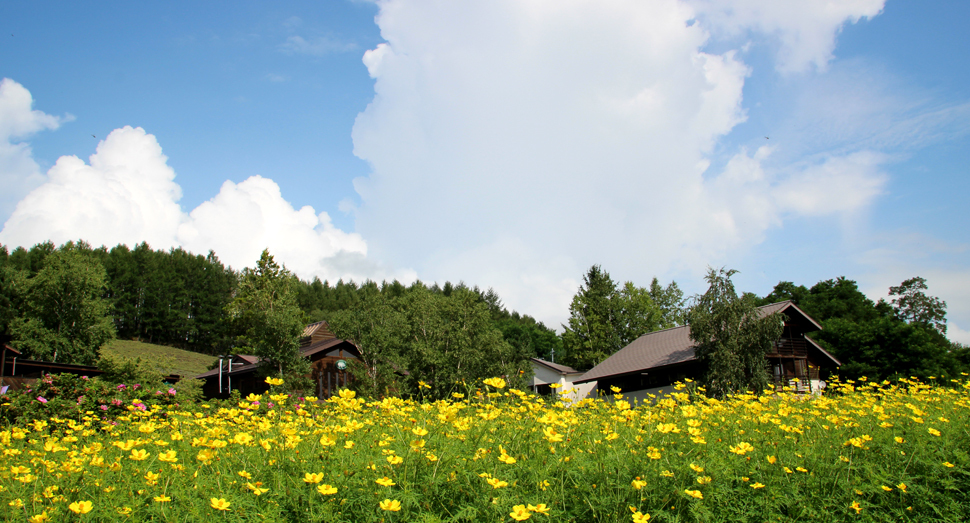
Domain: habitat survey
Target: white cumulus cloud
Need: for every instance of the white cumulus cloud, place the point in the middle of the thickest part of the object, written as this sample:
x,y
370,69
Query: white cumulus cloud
x,y
126,193
19,173
514,143
804,30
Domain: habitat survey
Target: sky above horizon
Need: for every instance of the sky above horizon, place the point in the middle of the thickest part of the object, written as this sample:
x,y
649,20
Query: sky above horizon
x,y
507,144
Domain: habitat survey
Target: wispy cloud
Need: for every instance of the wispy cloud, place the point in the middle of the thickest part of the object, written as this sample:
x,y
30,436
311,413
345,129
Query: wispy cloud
x,y
319,46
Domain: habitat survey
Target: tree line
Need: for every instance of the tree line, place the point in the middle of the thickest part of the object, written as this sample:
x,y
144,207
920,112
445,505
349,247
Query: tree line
x,y
64,303
902,337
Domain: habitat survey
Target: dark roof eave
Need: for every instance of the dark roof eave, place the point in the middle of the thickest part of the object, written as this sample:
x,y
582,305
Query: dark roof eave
x,y
638,371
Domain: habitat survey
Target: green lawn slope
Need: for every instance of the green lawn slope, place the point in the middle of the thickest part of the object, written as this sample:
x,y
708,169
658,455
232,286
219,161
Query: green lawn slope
x,y
168,360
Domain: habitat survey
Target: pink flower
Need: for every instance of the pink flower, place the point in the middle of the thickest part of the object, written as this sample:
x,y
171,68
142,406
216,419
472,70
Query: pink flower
x,y
41,399
122,386
171,392
104,407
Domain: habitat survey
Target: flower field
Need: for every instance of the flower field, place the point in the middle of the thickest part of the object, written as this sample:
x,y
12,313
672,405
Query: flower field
x,y
864,452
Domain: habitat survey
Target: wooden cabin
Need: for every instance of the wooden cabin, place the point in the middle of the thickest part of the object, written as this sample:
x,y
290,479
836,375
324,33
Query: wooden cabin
x,y
652,363
318,344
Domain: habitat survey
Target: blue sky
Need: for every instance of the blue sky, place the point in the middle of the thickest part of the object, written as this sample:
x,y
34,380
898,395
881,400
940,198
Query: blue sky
x,y
509,144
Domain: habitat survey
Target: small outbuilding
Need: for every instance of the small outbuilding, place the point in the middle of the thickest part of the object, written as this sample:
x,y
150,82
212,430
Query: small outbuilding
x,y
545,374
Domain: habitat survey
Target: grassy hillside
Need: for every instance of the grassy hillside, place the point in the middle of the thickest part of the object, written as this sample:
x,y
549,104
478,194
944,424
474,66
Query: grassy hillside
x,y
168,360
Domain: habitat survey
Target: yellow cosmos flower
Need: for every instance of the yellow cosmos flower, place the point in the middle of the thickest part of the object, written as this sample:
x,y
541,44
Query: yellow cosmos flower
x,y
392,505
167,456
206,455
694,494
244,474
505,458
139,455
696,468
640,517
667,474
275,382
551,435
242,438
39,518
887,489
704,480
742,448
756,485
498,383
541,508
856,507
220,503
948,464
81,507
901,486
933,432
771,460
151,477
801,469
257,488
638,483
520,513
162,499
395,460
496,483
326,490
313,477
419,431
385,482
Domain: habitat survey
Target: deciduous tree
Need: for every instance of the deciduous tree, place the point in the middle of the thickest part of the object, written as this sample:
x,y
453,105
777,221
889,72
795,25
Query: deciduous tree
x,y
914,306
731,337
266,313
64,316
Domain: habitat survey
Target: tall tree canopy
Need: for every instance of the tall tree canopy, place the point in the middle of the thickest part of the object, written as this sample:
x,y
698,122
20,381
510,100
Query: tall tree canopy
x,y
914,306
64,316
438,336
604,318
266,313
731,337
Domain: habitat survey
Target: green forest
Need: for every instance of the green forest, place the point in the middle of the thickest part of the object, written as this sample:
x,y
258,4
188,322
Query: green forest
x,y
63,303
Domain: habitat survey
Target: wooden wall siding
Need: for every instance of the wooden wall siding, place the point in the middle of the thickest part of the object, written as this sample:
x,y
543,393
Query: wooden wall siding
x,y
327,378
789,348
15,383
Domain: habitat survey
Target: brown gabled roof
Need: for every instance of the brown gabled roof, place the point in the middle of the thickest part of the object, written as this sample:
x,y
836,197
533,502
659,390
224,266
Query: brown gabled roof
x,y
812,343
656,349
673,346
327,345
307,352
555,367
